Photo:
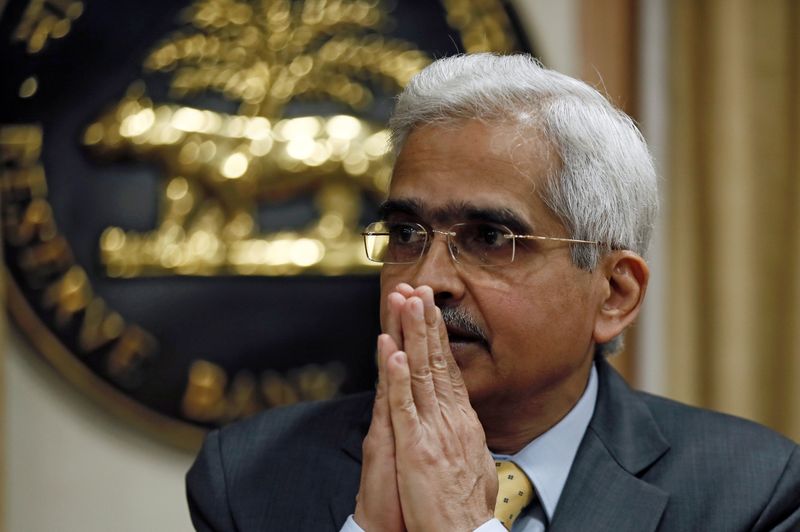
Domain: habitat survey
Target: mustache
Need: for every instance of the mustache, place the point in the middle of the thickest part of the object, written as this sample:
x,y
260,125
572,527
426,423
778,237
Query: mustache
x,y
458,318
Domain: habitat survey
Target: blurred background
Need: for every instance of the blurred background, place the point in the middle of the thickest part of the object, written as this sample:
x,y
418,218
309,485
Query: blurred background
x,y
133,333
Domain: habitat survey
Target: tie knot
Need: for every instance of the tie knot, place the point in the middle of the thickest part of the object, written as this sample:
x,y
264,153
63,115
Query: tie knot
x,y
514,492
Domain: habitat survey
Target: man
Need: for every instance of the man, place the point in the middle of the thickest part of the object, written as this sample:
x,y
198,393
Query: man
x,y
512,239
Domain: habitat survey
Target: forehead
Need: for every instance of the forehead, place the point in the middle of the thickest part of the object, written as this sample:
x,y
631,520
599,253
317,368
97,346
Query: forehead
x,y
475,164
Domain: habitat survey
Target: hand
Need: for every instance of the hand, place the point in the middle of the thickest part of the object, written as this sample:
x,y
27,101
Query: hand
x,y
378,501
446,477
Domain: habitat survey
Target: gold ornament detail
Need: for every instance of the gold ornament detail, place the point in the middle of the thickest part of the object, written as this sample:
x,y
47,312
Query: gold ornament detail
x,y
268,53
46,19
483,25
210,398
220,168
50,271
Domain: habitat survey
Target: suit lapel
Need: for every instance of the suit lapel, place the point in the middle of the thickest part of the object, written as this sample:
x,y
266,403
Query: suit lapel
x,y
601,495
342,502
603,491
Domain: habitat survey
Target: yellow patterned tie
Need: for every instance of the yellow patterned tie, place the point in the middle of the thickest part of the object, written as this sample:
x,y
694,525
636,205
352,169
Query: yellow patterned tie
x,y
514,493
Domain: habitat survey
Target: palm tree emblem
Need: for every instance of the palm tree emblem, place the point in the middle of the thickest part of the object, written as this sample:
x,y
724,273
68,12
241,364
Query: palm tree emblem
x,y
268,59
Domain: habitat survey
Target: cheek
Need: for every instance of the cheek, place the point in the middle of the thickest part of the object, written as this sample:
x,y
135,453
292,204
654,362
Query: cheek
x,y
549,316
516,321
508,310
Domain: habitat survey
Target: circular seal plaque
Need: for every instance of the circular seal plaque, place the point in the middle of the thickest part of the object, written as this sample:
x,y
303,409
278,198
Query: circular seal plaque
x,y
183,186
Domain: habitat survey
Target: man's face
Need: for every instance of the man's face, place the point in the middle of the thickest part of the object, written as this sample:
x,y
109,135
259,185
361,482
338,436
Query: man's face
x,y
536,315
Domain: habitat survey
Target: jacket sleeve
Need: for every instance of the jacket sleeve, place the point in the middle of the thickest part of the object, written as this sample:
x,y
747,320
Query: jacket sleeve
x,y
206,489
782,513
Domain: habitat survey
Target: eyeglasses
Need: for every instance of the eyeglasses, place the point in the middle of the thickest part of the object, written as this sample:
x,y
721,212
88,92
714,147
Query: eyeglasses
x,y
475,243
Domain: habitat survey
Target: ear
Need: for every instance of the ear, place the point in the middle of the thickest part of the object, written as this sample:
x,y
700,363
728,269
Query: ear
x,y
625,275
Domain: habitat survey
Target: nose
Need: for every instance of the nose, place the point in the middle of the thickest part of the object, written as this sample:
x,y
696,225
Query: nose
x,y
437,269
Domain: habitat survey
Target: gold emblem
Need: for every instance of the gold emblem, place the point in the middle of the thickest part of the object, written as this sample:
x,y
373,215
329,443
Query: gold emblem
x,y
246,106
220,167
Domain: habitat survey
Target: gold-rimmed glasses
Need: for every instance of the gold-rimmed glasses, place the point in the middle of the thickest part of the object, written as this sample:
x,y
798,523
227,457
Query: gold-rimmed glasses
x,y
477,243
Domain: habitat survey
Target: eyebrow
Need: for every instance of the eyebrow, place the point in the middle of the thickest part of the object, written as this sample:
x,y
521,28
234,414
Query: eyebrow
x,y
408,206
456,212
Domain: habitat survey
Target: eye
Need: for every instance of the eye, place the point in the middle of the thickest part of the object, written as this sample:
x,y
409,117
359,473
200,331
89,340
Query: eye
x,y
482,238
405,233
489,235
483,243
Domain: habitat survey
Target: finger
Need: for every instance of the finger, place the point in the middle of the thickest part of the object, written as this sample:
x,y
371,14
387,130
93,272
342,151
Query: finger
x,y
386,346
380,435
405,289
440,372
395,301
402,408
416,348
378,503
394,307
456,380
380,429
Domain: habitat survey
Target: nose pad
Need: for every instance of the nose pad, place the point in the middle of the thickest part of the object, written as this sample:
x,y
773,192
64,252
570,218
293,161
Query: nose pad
x,y
453,247
430,252
447,238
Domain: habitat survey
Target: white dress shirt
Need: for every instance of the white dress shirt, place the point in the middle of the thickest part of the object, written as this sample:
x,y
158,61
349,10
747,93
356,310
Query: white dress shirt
x,y
547,461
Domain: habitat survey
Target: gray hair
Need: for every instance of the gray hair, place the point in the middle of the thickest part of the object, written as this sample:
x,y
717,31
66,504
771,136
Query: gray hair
x,y
605,188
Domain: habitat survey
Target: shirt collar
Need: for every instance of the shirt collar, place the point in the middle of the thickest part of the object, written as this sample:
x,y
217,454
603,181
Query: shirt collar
x,y
548,459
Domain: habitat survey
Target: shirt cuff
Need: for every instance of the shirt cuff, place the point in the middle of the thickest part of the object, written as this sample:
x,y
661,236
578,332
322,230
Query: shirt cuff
x,y
350,525
493,525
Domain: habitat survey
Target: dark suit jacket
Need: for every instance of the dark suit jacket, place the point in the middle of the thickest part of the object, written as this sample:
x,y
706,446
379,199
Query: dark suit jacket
x,y
645,463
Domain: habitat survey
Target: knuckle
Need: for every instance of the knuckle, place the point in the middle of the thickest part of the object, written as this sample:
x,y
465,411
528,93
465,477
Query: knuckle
x,y
455,373
421,374
428,456
431,320
375,437
415,333
368,443
408,406
380,394
438,361
367,449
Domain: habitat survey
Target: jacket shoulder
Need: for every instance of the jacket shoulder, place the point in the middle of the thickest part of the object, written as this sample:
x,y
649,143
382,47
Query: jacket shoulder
x,y
256,474
721,469
682,423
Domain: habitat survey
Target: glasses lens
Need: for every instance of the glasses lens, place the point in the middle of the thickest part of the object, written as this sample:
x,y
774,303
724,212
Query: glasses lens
x,y
395,242
483,243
